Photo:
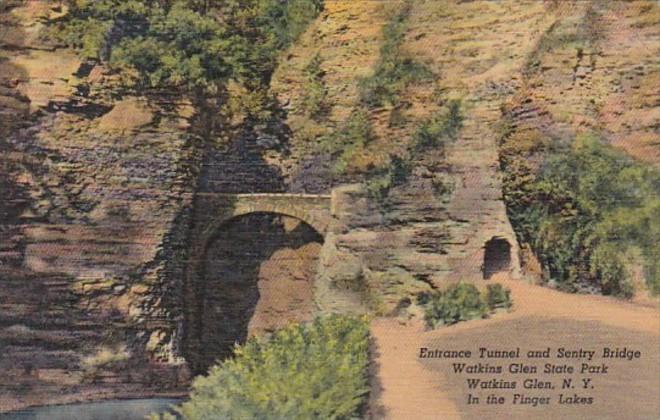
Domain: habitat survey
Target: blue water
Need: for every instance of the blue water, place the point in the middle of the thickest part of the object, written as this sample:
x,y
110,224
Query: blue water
x,y
105,410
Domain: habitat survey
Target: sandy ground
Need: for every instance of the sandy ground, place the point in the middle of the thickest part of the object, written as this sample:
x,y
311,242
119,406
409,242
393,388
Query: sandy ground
x,y
407,387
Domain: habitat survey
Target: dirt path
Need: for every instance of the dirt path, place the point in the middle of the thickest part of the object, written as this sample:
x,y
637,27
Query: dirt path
x,y
407,387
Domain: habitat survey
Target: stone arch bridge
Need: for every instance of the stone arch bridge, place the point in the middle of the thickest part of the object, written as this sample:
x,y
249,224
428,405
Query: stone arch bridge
x,y
212,210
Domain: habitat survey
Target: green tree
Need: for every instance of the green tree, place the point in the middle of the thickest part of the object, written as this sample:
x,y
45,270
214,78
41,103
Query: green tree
x,y
314,100
191,47
587,212
316,371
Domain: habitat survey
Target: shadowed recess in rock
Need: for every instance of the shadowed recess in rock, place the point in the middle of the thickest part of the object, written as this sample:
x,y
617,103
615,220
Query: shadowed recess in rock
x,y
497,257
257,276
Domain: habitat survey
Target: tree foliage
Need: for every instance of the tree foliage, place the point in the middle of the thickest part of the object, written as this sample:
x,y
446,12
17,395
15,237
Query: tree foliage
x,y
440,129
587,213
318,371
180,49
192,45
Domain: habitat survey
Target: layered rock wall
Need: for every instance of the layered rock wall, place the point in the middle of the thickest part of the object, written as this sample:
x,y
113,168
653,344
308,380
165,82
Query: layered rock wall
x,y
94,192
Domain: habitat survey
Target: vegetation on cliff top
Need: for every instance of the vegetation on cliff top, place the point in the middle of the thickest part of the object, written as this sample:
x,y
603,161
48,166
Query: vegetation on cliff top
x,y
188,46
301,372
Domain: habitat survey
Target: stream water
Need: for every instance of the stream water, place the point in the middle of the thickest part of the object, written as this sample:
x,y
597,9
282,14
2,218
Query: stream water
x,y
104,410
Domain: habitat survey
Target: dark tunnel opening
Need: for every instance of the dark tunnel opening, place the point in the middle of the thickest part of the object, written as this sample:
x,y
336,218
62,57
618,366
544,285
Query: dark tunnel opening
x,y
497,257
257,275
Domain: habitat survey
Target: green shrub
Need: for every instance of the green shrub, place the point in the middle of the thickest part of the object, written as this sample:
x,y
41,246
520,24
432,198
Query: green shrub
x,y
463,302
351,139
497,296
318,371
396,173
287,20
460,302
439,130
394,70
584,212
316,92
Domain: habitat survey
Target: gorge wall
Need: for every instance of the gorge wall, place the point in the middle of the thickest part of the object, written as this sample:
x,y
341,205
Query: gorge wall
x,y
94,189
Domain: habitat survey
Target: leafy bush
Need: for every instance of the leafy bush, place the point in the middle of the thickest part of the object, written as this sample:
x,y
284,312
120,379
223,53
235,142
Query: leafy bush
x,y
460,302
463,302
286,20
440,129
586,212
301,372
314,100
394,70
349,140
497,296
92,26
384,179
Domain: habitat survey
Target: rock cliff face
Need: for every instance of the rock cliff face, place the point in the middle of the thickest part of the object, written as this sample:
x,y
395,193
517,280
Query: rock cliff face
x,y
594,69
421,239
91,190
554,66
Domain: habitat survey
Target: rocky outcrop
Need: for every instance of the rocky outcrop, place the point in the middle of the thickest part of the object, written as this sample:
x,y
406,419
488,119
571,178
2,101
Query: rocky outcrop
x,y
423,237
87,228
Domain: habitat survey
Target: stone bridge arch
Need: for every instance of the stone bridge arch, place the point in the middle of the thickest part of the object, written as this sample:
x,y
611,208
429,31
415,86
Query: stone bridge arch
x,y
214,210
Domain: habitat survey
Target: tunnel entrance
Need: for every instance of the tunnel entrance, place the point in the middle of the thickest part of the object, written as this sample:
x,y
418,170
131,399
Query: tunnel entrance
x,y
497,257
257,275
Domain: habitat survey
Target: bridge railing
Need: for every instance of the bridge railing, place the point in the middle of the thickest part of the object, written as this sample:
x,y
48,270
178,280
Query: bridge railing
x,y
270,195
